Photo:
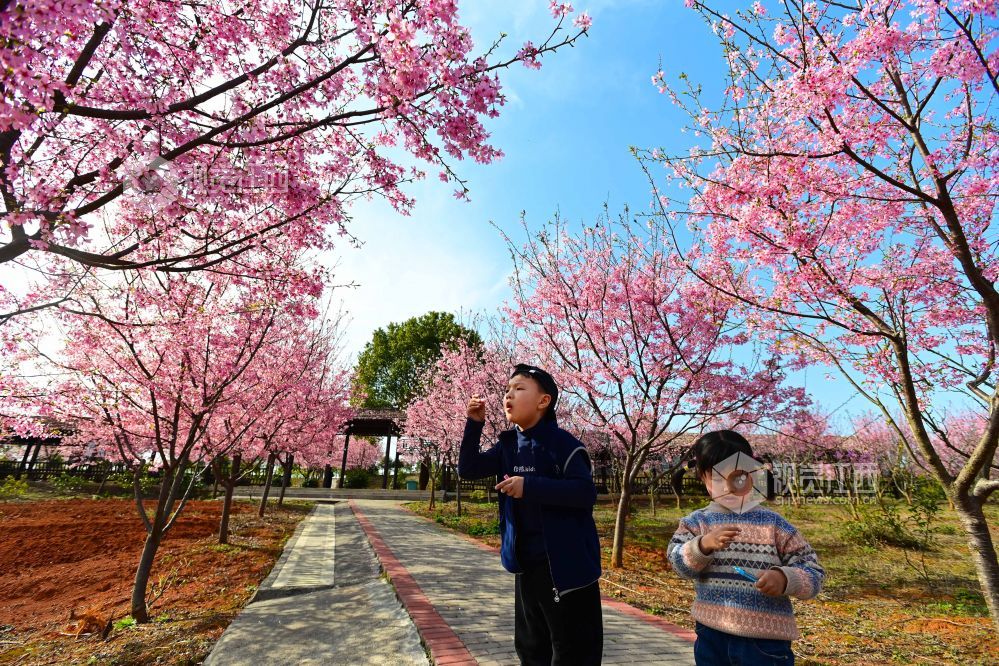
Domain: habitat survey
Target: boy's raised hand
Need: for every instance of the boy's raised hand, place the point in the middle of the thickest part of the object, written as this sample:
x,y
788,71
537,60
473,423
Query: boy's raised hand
x,y
718,539
476,409
772,583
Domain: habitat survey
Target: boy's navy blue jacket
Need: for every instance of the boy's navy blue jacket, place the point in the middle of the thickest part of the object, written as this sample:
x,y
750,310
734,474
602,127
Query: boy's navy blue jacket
x,y
563,489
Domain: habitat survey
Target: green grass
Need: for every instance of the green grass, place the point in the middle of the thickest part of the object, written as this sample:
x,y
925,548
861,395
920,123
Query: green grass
x,y
125,623
476,522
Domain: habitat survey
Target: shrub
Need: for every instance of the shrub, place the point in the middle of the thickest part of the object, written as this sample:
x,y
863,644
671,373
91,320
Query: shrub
x,y
12,488
357,478
67,483
884,524
877,525
125,479
928,488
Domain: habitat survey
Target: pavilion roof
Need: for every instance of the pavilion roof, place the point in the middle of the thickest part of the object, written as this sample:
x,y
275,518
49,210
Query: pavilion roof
x,y
376,422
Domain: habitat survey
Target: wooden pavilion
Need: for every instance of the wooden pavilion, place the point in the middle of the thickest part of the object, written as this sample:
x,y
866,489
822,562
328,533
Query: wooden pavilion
x,y
387,423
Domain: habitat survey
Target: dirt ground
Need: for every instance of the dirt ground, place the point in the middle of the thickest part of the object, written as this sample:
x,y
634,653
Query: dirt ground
x,y
79,556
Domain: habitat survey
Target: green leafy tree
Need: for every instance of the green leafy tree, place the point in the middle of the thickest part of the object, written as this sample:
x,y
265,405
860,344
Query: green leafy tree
x,y
389,369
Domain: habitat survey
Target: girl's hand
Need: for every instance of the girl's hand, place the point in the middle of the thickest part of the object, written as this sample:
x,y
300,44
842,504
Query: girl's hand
x,y
512,486
476,409
772,583
718,539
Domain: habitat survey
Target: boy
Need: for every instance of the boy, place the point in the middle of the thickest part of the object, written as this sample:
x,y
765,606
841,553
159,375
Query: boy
x,y
739,621
549,539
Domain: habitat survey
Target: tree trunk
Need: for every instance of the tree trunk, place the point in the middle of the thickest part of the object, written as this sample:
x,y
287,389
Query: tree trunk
x,y
104,479
424,474
795,487
286,477
433,491
676,483
458,494
621,519
170,485
653,486
343,463
395,467
983,551
267,483
229,484
152,544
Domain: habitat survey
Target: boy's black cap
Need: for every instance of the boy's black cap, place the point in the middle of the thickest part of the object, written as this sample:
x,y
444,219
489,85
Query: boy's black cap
x,y
546,381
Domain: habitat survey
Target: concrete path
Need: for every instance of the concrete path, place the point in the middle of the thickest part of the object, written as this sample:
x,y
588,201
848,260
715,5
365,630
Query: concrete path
x,y
462,599
323,603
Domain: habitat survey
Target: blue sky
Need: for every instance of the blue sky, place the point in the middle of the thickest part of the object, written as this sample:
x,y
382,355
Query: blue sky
x,y
565,132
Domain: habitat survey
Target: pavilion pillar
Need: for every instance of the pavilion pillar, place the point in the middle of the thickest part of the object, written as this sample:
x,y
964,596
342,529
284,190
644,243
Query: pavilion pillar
x,y
395,467
34,457
388,443
343,463
23,467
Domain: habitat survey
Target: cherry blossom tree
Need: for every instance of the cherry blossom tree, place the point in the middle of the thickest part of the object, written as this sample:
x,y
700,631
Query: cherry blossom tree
x,y
310,404
136,134
361,454
320,412
299,391
645,351
153,359
435,421
844,196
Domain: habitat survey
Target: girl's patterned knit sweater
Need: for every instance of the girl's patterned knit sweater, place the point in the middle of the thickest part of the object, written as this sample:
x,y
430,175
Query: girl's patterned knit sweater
x,y
725,600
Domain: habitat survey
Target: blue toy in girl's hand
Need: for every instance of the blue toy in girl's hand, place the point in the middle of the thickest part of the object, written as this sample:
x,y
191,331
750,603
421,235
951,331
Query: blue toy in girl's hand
x,y
745,574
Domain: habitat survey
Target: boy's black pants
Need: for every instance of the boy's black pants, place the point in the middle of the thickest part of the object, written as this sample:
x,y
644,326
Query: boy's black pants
x,y
546,633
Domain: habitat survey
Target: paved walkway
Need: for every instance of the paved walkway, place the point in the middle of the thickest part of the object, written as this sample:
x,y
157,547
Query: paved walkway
x,y
462,599
323,603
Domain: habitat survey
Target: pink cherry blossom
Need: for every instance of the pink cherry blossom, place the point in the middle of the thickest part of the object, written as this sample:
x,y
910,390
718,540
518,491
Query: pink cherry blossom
x,y
128,129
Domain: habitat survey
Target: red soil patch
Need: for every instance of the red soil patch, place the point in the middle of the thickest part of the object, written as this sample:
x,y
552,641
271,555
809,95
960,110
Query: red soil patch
x,y
942,626
80,555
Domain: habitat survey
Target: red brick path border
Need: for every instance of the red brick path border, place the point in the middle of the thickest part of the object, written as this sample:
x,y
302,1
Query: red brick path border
x,y
444,645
